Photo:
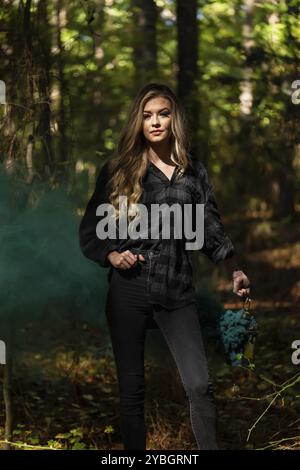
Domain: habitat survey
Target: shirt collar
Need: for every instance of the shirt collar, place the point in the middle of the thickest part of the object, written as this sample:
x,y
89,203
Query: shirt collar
x,y
154,169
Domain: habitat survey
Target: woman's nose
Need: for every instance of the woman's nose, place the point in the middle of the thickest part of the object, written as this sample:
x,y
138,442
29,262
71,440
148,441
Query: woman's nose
x,y
155,121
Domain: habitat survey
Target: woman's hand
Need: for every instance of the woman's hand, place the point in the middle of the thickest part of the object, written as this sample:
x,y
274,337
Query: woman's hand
x,y
124,260
241,284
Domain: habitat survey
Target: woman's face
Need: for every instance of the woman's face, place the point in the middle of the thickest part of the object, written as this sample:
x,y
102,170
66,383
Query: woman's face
x,y
157,116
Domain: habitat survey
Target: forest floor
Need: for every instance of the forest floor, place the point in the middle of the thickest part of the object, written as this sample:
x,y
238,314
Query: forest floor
x,y
68,399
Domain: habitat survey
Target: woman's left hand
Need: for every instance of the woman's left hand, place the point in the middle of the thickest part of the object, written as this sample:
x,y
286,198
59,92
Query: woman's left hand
x,y
241,284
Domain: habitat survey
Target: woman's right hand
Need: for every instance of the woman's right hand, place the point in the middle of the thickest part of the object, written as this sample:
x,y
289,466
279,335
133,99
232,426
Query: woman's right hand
x,y
124,260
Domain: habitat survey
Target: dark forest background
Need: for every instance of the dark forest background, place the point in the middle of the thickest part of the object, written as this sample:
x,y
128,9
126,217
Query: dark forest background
x,y
69,72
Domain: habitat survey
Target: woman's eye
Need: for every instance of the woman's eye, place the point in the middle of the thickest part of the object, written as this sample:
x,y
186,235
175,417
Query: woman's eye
x,y
162,114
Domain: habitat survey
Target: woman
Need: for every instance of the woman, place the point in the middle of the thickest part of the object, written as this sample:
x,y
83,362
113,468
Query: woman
x,y
150,273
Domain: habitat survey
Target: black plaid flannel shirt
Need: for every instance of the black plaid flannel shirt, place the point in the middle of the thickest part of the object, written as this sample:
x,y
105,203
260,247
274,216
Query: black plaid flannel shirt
x,y
171,284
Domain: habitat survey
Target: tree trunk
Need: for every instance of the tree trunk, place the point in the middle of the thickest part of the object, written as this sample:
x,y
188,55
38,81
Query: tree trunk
x,y
43,130
7,384
187,53
283,186
144,41
7,397
98,57
61,169
284,183
246,96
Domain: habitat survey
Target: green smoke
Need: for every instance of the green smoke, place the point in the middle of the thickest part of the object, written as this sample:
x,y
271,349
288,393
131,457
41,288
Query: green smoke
x,y
45,280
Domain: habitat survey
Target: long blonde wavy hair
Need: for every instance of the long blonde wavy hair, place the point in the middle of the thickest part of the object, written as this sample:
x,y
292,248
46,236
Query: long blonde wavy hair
x,y
128,163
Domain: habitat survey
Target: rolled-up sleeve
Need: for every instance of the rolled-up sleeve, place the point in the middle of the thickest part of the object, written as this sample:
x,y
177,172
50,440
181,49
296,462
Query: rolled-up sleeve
x,y
91,246
217,244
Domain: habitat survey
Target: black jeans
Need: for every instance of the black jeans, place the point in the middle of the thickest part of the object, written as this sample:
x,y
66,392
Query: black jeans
x,y
129,314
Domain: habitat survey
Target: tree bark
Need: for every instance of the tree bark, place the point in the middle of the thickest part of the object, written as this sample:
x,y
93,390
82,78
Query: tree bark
x,y
144,41
43,130
187,56
63,159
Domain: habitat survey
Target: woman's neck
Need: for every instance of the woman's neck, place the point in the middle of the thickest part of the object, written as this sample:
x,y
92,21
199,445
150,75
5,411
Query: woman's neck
x,y
163,155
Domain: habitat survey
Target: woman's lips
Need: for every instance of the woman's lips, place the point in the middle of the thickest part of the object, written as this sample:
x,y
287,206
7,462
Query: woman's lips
x,y
156,132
